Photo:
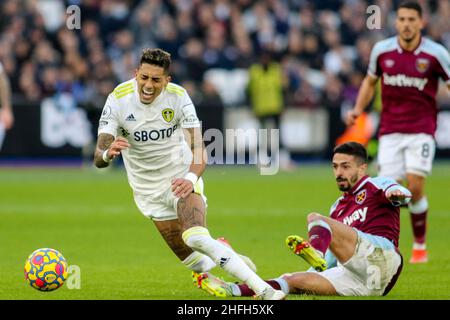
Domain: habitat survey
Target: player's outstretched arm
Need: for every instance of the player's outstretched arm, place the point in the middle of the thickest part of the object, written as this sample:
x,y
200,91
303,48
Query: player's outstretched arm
x,y
108,148
365,94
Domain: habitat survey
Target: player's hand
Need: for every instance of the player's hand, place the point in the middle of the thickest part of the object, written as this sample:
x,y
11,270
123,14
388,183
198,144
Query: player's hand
x,y
182,187
350,117
7,118
117,146
397,196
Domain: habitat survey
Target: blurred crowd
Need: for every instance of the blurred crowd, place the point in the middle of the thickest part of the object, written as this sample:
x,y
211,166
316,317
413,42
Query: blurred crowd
x,y
323,47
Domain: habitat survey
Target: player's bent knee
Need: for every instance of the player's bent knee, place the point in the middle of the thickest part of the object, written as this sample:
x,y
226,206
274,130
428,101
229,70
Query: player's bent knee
x,y
309,283
314,216
195,198
194,236
297,282
191,212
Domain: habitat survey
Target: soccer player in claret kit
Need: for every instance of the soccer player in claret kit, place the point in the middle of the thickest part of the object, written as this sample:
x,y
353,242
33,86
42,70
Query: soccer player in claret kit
x,y
410,67
354,251
153,124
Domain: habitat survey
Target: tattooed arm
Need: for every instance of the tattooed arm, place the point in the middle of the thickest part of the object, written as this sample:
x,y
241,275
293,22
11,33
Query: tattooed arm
x,y
195,141
106,142
182,187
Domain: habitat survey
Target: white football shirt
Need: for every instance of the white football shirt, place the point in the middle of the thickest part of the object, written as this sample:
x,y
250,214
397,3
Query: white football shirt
x,y
158,150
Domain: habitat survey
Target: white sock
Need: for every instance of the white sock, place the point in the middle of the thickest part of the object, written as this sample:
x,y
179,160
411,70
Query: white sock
x,y
419,246
419,206
235,290
199,262
283,284
198,239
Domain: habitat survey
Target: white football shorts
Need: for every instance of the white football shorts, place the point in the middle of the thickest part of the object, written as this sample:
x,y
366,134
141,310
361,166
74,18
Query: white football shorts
x,y
400,153
369,271
164,207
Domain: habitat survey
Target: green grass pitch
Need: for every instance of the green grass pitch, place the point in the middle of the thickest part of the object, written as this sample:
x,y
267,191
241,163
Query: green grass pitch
x,y
90,217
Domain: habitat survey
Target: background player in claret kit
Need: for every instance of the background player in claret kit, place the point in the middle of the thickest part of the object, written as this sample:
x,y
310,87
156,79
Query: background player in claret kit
x,y
410,67
144,119
356,248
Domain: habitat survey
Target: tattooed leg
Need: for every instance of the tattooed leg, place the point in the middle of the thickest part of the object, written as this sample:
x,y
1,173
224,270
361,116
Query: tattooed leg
x,y
191,212
195,261
171,232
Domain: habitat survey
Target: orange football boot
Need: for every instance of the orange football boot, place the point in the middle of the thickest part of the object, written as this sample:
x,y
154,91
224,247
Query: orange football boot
x,y
419,256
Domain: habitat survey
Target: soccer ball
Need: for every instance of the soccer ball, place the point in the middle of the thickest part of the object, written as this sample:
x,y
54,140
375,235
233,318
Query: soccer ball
x,y
46,269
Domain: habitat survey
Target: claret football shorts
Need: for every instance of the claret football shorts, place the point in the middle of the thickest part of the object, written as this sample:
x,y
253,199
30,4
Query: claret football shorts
x,y
400,153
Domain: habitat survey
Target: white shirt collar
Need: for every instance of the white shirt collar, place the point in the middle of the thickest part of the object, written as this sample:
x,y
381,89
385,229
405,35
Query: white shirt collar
x,y
416,51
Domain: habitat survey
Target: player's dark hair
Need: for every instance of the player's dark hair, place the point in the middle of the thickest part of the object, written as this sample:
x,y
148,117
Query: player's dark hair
x,y
411,5
354,149
157,57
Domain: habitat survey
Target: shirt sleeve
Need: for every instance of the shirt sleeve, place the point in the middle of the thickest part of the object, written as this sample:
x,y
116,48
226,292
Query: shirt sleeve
x,y
108,122
388,185
443,58
373,68
189,117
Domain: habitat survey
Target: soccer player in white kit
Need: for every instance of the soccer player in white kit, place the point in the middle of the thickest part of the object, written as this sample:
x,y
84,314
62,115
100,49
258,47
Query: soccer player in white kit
x,y
153,124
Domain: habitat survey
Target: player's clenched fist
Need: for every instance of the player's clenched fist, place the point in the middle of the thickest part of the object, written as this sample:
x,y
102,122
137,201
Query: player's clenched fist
x,y
350,117
118,145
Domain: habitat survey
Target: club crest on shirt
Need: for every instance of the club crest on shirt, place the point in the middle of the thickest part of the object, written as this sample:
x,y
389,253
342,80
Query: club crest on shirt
x,y
168,114
422,64
361,196
389,63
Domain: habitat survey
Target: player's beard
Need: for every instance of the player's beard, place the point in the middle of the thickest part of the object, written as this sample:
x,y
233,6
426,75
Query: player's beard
x,y
409,38
349,185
